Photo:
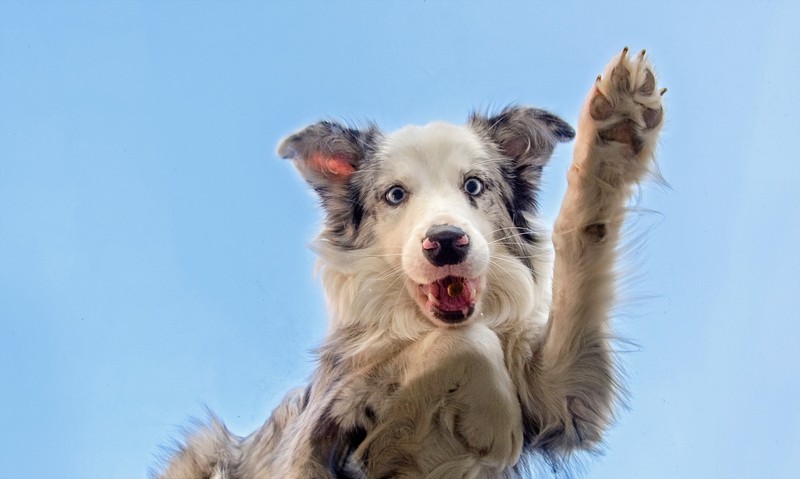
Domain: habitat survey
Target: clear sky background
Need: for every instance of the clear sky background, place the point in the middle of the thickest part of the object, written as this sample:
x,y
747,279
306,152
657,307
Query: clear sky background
x,y
153,253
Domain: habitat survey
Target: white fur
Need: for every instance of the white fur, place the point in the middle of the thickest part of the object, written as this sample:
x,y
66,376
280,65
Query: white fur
x,y
443,400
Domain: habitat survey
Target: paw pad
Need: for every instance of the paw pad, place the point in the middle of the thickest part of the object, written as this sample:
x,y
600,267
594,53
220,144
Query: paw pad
x,y
649,84
652,117
623,132
600,108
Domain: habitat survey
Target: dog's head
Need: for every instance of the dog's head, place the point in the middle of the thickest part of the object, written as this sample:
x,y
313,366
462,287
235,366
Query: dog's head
x,y
438,203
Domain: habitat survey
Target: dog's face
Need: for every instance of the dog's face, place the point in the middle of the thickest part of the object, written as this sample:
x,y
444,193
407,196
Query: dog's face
x,y
433,180
440,203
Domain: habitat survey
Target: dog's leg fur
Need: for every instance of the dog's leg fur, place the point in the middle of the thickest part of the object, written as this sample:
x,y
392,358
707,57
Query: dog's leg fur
x,y
572,378
457,380
211,453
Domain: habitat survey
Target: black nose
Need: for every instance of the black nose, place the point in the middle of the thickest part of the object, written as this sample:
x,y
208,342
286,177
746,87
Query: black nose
x,y
445,244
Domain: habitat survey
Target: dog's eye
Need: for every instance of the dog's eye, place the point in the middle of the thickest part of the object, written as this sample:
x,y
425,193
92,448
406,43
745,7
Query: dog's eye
x,y
473,186
395,195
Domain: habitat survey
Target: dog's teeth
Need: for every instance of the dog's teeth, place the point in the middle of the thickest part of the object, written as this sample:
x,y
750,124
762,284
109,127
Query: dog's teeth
x,y
431,298
465,312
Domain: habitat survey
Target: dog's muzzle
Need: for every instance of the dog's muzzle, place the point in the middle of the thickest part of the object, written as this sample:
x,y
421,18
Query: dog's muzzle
x,y
451,298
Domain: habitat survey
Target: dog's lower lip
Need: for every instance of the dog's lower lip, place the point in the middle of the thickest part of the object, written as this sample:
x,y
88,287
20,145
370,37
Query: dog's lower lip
x,y
451,299
452,317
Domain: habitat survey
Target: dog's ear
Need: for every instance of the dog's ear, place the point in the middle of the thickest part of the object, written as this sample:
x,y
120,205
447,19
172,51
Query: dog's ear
x,y
327,153
528,135
328,156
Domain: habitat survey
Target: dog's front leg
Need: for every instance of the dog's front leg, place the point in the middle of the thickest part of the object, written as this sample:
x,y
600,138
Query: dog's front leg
x,y
455,414
617,135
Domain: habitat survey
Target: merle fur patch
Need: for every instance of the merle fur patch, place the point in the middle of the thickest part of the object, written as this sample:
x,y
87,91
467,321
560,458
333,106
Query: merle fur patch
x,y
524,139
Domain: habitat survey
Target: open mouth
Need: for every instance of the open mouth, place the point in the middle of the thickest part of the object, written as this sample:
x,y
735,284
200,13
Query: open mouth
x,y
450,299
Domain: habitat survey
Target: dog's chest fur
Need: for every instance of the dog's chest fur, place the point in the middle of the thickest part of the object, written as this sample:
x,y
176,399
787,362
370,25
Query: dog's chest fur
x,y
404,411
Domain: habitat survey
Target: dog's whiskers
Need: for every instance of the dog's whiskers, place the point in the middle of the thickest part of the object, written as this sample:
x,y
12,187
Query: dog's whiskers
x,y
510,236
515,259
393,271
497,265
366,254
389,273
400,291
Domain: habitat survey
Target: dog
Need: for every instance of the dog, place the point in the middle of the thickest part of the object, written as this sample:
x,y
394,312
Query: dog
x,y
465,340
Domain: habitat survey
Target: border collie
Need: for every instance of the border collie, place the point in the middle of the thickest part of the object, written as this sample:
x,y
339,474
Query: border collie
x,y
465,341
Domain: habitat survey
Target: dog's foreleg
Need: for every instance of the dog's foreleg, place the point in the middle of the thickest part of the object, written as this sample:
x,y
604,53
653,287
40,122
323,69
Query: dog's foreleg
x,y
617,134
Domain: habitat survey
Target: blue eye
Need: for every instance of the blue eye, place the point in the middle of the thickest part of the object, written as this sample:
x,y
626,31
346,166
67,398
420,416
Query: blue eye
x,y
473,186
395,195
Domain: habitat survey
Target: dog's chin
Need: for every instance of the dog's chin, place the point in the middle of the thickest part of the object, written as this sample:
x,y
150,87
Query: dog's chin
x,y
449,301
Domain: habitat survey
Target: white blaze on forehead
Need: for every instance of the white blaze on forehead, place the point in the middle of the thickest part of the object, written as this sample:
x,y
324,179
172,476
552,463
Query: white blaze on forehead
x,y
437,153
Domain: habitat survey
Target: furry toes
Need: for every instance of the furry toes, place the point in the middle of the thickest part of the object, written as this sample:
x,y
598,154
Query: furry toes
x,y
624,113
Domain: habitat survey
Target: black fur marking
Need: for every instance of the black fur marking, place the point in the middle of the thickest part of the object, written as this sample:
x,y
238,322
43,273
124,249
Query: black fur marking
x,y
596,232
524,185
356,207
334,446
342,452
520,200
369,412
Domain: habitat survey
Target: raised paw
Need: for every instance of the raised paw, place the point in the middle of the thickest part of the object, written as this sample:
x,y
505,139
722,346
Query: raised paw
x,y
624,114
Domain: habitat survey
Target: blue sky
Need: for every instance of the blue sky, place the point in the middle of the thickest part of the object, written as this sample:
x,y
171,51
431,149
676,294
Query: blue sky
x,y
153,253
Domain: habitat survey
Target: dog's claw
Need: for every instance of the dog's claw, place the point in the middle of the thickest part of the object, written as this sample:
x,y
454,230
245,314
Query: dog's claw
x,y
663,90
624,53
642,54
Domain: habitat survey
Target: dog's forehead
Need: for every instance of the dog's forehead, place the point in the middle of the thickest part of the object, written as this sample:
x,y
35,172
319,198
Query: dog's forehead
x,y
436,146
